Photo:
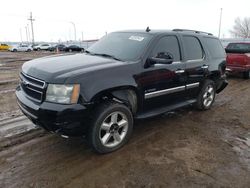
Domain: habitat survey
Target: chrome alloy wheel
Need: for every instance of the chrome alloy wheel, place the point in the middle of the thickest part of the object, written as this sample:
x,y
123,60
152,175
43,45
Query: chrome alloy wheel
x,y
208,96
113,129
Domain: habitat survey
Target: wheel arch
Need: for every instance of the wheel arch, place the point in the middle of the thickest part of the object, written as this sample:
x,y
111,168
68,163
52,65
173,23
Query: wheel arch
x,y
127,95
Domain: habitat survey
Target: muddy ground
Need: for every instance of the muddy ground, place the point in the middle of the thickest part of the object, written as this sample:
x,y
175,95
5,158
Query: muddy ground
x,y
185,148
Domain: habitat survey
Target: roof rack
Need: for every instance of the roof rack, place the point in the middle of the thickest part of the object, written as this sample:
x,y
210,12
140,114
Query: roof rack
x,y
194,31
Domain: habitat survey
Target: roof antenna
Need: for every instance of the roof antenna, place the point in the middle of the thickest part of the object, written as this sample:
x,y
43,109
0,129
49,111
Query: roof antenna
x,y
147,30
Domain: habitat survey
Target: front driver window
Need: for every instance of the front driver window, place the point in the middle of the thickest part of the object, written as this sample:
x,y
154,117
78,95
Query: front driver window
x,y
168,44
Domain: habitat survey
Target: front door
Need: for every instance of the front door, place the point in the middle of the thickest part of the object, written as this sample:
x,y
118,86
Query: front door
x,y
164,84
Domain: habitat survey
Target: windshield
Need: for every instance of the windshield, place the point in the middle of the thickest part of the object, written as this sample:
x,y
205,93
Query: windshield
x,y
123,46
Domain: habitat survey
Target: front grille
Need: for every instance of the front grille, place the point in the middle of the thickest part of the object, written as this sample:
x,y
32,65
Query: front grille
x,y
33,87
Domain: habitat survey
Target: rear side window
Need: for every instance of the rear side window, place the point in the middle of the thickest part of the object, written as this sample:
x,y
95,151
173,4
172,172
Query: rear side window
x,y
168,44
192,48
214,47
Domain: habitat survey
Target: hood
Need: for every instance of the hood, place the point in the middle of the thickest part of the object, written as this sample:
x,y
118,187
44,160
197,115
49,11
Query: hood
x,y
56,69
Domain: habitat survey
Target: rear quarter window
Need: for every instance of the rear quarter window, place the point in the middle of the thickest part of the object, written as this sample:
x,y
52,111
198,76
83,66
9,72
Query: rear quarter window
x,y
214,47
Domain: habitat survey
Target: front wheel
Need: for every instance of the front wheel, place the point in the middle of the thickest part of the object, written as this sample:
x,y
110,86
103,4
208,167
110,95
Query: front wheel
x,y
111,127
206,96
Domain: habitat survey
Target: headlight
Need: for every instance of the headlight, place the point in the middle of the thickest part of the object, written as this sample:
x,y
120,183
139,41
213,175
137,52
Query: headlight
x,y
64,94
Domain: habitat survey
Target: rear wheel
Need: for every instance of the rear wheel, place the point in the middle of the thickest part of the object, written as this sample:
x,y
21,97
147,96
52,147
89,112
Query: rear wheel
x,y
111,127
206,96
246,74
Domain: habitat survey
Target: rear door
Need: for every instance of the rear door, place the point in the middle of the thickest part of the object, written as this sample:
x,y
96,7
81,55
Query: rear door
x,y
164,84
196,64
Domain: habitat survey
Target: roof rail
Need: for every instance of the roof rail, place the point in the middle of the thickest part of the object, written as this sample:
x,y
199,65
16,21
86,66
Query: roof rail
x,y
194,31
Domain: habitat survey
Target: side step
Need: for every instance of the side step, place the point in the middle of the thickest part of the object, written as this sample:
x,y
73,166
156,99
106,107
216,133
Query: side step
x,y
163,110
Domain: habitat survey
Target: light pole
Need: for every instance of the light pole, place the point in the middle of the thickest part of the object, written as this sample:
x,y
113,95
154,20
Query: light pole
x,y
27,38
220,22
74,28
21,35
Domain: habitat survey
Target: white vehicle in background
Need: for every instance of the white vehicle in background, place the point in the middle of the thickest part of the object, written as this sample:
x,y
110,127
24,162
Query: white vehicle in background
x,y
21,48
42,47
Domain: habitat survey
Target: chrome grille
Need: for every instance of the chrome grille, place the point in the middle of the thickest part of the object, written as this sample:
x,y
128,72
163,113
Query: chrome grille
x,y
33,87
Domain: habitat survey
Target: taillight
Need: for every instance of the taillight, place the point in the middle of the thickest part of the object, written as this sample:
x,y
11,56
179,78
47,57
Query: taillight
x,y
222,69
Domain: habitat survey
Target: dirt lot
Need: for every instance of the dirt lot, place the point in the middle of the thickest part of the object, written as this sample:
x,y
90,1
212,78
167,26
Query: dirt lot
x,y
185,148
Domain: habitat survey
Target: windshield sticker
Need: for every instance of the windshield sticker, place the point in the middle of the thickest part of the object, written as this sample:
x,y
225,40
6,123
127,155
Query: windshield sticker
x,y
137,38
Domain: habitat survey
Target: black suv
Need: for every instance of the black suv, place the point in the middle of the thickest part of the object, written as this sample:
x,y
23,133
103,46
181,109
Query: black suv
x,y
126,75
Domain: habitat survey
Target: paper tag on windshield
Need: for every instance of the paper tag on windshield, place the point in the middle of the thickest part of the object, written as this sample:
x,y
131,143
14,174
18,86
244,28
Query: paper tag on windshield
x,y
137,38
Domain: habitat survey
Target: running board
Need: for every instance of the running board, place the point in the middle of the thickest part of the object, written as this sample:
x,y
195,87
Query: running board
x,y
163,110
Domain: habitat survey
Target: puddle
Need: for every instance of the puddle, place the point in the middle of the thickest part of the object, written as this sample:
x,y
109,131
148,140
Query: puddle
x,y
241,145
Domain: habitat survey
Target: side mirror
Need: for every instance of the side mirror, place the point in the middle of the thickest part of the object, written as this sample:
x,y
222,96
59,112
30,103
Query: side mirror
x,y
161,58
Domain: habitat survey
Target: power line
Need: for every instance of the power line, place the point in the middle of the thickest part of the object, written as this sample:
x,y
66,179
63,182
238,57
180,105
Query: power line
x,y
32,30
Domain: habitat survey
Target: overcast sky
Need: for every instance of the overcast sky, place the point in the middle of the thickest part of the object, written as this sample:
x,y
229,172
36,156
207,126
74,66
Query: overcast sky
x,y
93,18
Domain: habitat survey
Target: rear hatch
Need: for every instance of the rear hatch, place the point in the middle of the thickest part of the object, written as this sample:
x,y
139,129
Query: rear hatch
x,y
238,54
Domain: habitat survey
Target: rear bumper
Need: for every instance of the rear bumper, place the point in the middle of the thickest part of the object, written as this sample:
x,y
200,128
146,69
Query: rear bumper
x,y
221,84
70,120
231,68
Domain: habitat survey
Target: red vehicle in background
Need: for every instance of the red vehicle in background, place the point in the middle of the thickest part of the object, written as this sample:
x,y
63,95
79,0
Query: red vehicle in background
x,y
238,58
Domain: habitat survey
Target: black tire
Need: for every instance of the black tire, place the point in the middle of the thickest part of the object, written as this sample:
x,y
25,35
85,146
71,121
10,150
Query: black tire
x,y
206,96
96,134
70,50
29,50
246,75
38,49
15,50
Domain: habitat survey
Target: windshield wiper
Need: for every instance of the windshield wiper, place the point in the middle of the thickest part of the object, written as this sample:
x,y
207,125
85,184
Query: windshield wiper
x,y
104,55
87,52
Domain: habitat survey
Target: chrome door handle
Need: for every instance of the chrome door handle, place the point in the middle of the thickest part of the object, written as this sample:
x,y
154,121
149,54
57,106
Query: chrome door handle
x,y
204,66
179,71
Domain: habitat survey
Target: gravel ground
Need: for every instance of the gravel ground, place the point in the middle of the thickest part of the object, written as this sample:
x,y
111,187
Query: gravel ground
x,y
185,148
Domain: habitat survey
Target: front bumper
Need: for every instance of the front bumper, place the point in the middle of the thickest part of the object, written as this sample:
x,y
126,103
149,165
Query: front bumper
x,y
70,120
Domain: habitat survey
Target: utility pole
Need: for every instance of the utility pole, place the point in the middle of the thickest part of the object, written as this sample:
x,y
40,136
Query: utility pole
x,y
32,30
74,28
220,22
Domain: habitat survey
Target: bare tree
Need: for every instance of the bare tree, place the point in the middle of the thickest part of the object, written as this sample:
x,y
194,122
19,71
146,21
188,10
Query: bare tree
x,y
241,28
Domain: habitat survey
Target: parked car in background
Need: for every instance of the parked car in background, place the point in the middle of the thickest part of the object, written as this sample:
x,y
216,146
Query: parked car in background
x,y
60,47
74,48
21,48
238,58
4,47
42,47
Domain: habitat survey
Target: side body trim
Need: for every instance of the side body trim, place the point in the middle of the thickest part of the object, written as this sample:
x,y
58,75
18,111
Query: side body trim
x,y
171,90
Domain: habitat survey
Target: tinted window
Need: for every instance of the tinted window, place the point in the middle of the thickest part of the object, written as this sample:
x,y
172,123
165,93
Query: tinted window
x,y
126,46
168,44
192,48
214,47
